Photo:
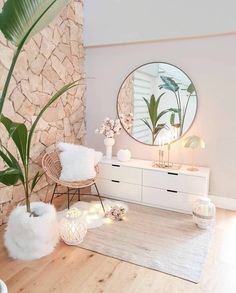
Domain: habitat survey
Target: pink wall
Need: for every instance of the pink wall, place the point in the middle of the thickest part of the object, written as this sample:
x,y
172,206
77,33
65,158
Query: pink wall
x,y
211,64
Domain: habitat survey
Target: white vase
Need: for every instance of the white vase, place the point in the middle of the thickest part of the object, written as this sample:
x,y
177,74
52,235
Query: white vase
x,y
204,213
28,237
109,142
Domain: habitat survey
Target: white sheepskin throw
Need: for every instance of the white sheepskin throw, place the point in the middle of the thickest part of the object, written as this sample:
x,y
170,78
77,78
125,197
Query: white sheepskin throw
x,y
29,238
93,211
77,162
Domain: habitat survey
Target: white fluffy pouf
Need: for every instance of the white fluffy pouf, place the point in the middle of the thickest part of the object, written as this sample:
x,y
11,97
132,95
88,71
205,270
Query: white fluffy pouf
x,y
29,238
3,287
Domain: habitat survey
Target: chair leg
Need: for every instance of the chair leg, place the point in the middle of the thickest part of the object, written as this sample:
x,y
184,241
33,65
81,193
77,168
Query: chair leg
x,y
100,198
78,190
68,198
54,190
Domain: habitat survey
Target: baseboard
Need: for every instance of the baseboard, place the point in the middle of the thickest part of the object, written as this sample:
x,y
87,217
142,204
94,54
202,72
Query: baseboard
x,y
227,203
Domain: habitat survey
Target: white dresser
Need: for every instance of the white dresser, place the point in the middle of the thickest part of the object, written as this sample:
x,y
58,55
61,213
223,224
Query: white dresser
x,y
137,181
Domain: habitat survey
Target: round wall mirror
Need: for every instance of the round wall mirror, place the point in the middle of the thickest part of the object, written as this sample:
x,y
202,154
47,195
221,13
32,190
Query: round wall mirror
x,y
157,103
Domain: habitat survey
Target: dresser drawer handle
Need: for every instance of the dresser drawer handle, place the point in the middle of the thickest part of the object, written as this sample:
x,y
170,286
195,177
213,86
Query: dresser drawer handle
x,y
173,191
172,173
114,165
116,181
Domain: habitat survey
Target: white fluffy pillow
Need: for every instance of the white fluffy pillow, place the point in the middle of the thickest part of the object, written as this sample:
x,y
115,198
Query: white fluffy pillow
x,y
97,158
77,162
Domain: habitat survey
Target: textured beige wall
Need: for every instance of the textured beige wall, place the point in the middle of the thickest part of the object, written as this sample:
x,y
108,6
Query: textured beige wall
x,y
51,59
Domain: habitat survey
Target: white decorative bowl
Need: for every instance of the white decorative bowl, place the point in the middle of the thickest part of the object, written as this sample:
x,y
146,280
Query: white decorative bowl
x,y
124,155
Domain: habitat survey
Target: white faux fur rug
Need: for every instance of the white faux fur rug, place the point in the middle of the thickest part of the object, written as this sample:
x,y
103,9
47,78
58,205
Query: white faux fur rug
x,y
93,211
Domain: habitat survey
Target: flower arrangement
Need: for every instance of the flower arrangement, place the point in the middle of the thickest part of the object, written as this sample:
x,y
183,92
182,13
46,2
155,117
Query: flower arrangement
x,y
127,121
109,128
116,212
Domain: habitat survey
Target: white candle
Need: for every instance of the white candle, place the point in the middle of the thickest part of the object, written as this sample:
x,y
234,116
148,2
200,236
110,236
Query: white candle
x,y
162,144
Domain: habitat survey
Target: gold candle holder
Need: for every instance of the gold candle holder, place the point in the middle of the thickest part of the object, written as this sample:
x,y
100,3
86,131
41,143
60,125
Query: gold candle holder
x,y
159,162
161,158
169,164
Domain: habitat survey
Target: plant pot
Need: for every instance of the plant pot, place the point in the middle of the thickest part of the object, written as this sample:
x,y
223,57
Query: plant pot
x,y
28,237
109,142
3,287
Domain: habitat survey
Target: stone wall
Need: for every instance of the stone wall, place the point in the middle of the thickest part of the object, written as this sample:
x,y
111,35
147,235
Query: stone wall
x,y
126,102
126,96
51,59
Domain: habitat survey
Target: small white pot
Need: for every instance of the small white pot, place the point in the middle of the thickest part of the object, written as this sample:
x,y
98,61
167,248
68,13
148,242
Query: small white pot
x,y
29,238
124,155
109,142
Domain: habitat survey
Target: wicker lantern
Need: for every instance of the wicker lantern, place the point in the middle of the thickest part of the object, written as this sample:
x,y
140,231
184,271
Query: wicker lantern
x,y
204,213
73,227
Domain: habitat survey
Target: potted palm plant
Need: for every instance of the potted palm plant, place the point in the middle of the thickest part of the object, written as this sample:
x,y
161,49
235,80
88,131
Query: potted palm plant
x,y
32,229
153,123
171,85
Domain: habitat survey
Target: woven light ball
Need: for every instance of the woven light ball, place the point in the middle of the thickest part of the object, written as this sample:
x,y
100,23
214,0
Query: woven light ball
x,y
73,227
204,213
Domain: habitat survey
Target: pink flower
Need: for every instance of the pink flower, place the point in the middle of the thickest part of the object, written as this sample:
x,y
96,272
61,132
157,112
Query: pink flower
x,y
110,127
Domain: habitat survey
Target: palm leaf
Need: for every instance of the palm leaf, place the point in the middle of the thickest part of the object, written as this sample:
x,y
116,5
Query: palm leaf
x,y
191,88
153,110
159,127
173,110
169,84
6,159
158,100
172,119
9,177
147,103
18,132
14,164
21,19
146,122
36,179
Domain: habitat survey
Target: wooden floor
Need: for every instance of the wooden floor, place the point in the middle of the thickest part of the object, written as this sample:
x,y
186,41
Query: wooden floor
x,y
71,269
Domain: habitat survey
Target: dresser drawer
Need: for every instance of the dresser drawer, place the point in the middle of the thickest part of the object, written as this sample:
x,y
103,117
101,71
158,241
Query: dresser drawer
x,y
174,181
168,200
121,190
120,173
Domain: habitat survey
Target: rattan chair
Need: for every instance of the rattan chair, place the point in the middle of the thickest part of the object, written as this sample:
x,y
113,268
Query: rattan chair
x,y
52,167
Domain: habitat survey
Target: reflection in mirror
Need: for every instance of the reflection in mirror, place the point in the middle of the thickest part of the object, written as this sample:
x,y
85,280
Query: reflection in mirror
x,y
157,103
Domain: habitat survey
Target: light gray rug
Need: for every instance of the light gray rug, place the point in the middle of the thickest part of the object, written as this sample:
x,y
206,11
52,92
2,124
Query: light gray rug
x,y
157,239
